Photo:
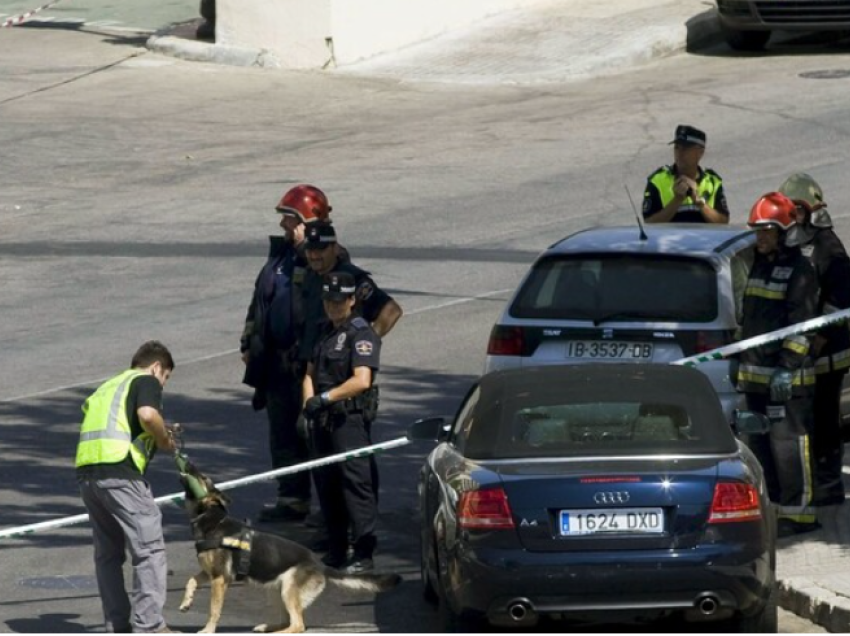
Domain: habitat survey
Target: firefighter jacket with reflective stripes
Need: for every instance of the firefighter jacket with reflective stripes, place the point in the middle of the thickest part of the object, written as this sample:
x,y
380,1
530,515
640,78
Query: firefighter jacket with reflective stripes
x,y
659,192
832,267
779,293
105,436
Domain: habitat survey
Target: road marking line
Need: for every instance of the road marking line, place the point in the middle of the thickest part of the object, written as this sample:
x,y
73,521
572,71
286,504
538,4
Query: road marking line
x,y
221,354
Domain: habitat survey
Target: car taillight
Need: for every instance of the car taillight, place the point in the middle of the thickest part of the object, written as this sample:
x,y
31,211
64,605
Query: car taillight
x,y
505,341
734,502
708,340
484,510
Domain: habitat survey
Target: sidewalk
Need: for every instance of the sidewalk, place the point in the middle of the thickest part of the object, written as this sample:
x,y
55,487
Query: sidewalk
x,y
567,41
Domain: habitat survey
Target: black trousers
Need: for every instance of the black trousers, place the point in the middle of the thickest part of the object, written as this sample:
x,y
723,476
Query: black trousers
x,y
784,454
346,490
283,406
827,445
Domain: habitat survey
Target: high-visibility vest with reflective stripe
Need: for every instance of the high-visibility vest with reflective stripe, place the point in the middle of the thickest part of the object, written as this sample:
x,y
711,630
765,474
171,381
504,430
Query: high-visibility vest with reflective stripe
x,y
707,187
105,436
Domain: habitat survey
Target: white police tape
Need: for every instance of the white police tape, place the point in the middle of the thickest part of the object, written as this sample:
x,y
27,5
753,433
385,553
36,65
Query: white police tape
x,y
18,19
243,481
806,326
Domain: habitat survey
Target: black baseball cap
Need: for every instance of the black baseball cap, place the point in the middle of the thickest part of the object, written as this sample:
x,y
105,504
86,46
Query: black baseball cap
x,y
319,235
688,135
338,286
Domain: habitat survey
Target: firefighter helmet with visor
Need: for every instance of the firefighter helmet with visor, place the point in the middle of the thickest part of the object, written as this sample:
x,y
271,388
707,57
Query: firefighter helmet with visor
x,y
775,209
306,202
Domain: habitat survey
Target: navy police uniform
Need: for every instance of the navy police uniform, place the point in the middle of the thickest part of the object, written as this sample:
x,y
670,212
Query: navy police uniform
x,y
346,490
370,299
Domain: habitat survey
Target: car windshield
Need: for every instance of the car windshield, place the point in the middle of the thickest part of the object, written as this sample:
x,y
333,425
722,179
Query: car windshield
x,y
578,416
625,288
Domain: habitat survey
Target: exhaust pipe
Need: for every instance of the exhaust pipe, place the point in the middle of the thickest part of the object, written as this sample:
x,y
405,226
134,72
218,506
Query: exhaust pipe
x,y
518,611
707,605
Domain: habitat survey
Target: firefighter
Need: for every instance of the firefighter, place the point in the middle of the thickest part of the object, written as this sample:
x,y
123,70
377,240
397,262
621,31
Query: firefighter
x,y
831,346
778,378
273,329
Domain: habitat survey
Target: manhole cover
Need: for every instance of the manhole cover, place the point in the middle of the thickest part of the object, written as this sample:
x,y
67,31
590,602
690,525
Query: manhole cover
x,y
59,582
833,74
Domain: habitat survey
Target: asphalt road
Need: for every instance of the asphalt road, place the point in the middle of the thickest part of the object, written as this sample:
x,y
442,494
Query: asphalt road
x,y
137,192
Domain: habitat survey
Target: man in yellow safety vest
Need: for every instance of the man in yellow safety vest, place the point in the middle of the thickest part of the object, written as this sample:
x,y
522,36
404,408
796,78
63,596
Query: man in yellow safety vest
x,y
122,429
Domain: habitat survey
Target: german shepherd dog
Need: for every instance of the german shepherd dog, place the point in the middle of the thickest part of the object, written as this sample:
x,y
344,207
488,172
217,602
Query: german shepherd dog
x,y
294,575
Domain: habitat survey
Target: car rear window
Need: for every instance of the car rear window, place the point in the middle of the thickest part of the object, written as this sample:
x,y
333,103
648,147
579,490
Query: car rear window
x,y
627,288
625,417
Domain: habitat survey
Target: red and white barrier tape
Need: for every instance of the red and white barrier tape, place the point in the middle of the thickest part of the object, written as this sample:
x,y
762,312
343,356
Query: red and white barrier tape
x,y
18,19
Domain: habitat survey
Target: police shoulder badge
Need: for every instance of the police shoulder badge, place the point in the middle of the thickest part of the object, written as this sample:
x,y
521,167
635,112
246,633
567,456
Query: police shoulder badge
x,y
365,290
363,347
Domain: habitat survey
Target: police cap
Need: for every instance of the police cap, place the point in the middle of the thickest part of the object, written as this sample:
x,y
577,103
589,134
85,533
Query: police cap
x,y
338,286
689,136
319,235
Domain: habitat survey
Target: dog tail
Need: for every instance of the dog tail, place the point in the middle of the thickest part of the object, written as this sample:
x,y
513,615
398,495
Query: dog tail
x,y
364,582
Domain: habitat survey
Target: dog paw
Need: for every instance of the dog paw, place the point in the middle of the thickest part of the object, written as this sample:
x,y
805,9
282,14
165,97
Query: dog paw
x,y
261,628
184,607
208,629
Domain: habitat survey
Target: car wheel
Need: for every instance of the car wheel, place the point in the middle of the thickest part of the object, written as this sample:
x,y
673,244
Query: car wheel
x,y
765,621
429,592
745,40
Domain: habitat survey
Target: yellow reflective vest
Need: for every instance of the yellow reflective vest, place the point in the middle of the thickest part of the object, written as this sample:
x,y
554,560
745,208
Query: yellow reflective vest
x,y
105,436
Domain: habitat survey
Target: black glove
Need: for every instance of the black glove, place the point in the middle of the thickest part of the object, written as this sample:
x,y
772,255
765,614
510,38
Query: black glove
x,y
314,406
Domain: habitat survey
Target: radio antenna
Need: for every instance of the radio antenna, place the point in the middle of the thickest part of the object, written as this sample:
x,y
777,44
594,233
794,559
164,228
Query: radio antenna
x,y
643,236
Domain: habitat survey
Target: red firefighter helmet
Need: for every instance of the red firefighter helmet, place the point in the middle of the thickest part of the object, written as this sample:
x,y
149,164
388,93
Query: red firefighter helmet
x,y
773,208
306,202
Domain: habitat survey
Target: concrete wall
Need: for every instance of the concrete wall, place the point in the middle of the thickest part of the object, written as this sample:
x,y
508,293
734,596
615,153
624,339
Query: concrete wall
x,y
300,33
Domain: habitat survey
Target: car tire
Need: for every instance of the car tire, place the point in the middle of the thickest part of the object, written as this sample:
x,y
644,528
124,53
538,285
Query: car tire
x,y
429,592
745,40
766,621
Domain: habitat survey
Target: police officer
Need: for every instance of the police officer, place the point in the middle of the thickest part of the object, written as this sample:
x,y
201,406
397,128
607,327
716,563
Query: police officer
x,y
122,429
778,378
269,345
372,303
339,403
819,243
685,192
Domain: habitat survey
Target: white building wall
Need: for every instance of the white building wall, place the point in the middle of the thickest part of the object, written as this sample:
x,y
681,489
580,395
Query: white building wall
x,y
300,33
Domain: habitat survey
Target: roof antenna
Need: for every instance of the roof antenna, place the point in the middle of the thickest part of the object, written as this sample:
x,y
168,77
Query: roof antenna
x,y
643,236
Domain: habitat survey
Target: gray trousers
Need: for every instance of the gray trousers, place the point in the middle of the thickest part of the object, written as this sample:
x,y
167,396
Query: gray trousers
x,y
125,518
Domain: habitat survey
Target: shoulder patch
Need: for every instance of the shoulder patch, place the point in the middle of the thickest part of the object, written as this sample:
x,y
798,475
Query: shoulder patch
x,y
365,290
359,323
363,347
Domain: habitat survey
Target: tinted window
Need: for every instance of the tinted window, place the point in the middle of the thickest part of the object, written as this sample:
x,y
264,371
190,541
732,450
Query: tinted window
x,y
615,287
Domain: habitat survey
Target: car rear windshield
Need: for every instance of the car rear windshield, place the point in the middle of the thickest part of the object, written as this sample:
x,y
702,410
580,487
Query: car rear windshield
x,y
604,422
626,288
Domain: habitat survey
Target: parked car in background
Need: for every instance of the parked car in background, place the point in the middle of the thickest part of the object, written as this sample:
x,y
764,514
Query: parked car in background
x,y
601,492
747,24
607,295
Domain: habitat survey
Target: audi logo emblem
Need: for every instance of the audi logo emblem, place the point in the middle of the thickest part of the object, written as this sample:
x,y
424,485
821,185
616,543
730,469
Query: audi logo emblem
x,y
611,497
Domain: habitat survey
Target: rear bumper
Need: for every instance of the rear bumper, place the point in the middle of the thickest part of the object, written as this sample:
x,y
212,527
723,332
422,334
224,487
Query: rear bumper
x,y
493,583
768,15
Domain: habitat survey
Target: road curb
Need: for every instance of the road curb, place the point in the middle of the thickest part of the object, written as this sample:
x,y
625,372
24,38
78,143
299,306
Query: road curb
x,y
195,51
807,599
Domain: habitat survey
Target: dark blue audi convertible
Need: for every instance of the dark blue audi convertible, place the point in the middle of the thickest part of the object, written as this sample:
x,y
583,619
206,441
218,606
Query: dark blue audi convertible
x,y
596,492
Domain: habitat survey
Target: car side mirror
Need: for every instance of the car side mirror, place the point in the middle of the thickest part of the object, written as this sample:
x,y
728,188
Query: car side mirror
x,y
751,423
431,429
